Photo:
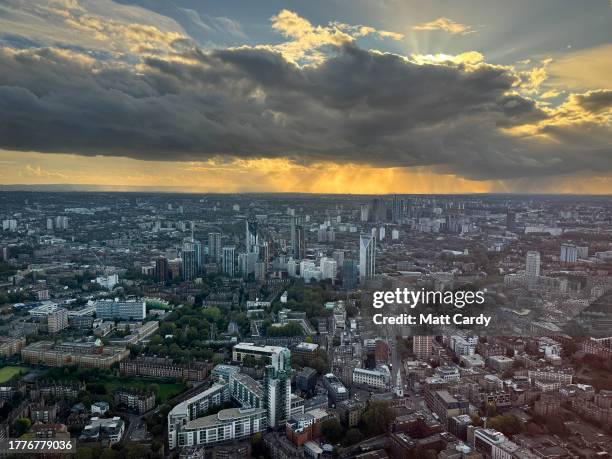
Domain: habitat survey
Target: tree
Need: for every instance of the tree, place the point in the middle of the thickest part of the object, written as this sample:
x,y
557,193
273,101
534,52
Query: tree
x,y
507,424
376,418
257,445
84,453
320,364
134,451
332,429
21,426
108,453
352,437
555,426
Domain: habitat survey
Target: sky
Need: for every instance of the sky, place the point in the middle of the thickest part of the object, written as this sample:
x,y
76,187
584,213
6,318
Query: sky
x,y
336,96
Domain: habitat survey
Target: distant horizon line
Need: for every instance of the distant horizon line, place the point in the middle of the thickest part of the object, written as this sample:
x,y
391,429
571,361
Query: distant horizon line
x,y
75,188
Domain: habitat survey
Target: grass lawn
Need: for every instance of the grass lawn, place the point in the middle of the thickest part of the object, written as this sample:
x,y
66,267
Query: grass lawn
x,y
166,390
7,373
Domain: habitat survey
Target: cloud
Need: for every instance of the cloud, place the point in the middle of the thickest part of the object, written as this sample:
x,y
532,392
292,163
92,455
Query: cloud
x,y
318,98
364,31
37,171
445,25
94,25
306,39
357,107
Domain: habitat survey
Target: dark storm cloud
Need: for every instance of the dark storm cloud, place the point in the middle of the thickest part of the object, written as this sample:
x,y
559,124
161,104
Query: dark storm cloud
x,y
595,101
357,106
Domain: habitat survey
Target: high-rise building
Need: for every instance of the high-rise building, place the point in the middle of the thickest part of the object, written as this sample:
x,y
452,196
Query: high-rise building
x,y
379,210
214,247
510,220
397,209
189,263
422,347
161,270
61,223
328,268
569,253
264,252
350,274
199,256
365,212
532,265
9,224
277,378
252,237
298,240
261,269
277,389
229,260
367,256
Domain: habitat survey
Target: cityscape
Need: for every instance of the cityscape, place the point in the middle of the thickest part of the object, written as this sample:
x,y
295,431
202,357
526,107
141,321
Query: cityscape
x,y
272,229
235,326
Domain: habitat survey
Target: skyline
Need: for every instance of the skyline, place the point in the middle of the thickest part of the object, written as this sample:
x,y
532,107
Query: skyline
x,y
315,98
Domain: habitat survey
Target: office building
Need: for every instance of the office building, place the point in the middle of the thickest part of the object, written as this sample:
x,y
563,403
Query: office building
x,y
367,256
510,220
161,270
306,379
252,237
214,247
350,412
53,318
336,392
100,429
329,268
569,253
493,444
199,255
229,260
445,406
380,378
364,212
189,262
123,310
422,347
88,354
298,241
532,266
269,355
305,353
350,274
